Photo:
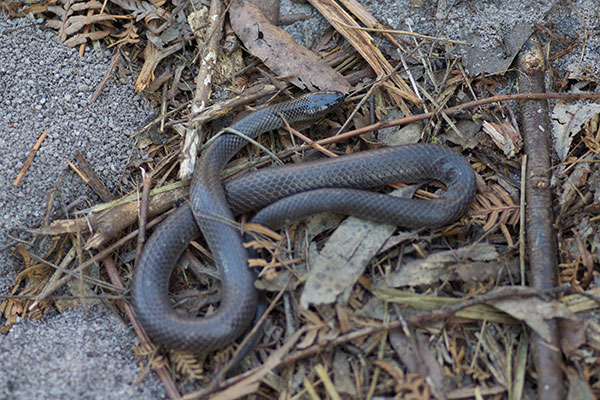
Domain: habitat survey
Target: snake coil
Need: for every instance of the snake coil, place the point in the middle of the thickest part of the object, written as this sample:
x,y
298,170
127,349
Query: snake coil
x,y
284,194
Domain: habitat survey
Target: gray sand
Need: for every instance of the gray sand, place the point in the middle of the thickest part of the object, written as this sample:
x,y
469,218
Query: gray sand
x,y
87,353
46,86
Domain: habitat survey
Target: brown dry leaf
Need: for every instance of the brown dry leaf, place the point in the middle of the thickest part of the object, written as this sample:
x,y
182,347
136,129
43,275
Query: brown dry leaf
x,y
276,48
535,311
128,36
152,56
188,365
69,23
85,37
35,9
571,339
416,355
591,134
413,387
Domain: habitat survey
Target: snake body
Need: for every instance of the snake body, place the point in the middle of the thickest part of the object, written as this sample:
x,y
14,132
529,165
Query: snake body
x,y
283,194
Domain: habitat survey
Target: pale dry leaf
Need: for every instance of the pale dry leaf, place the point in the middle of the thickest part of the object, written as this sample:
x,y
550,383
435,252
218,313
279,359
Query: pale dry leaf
x,y
578,387
409,134
567,120
441,266
535,311
276,48
350,248
577,177
505,136
342,374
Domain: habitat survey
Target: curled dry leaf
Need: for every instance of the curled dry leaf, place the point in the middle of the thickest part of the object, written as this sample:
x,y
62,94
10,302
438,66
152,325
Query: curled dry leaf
x,y
276,48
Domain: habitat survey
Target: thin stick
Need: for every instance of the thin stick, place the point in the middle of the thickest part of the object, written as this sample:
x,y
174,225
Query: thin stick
x,y
459,108
539,231
30,157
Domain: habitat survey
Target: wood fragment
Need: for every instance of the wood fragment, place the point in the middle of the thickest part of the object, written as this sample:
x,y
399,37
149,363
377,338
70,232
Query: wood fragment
x,y
221,108
77,171
113,63
91,178
29,158
51,288
540,236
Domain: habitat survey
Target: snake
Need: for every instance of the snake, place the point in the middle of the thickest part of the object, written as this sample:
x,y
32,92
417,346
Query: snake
x,y
281,195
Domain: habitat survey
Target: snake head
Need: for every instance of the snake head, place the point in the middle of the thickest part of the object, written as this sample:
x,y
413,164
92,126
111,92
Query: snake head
x,y
318,104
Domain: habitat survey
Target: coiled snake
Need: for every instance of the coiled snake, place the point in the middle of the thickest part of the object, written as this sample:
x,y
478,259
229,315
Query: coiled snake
x,y
284,194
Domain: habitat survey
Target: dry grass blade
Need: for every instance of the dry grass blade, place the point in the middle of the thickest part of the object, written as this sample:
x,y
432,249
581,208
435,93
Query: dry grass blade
x,y
362,42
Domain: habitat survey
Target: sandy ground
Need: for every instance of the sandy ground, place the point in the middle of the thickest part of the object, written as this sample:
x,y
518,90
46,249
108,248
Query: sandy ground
x,y
44,86
86,352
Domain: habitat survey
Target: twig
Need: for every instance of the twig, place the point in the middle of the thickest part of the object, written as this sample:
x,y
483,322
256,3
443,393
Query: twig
x,y
146,183
203,87
457,109
541,242
91,178
115,60
30,157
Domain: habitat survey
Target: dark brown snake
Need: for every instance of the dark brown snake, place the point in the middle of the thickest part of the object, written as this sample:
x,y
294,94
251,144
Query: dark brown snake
x,y
282,194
